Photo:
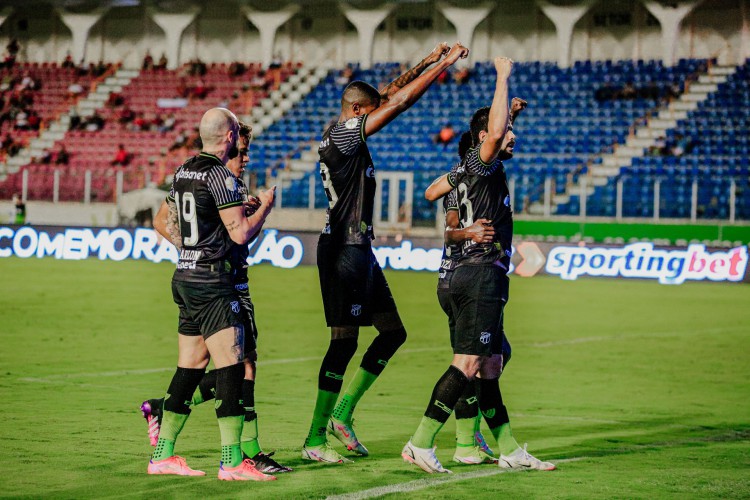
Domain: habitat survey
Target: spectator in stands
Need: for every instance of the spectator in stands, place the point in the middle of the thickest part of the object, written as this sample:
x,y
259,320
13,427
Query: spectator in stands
x,y
139,123
13,47
62,157
115,99
200,90
627,92
236,69
682,145
19,208
167,123
259,82
182,88
180,141
22,120
275,61
75,119
68,62
101,68
34,120
162,62
74,90
28,82
445,136
122,157
659,147
462,75
94,122
148,62
345,76
8,146
605,92
674,90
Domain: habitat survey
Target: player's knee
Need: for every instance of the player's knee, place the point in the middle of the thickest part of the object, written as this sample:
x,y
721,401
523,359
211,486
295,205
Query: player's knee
x,y
387,322
382,349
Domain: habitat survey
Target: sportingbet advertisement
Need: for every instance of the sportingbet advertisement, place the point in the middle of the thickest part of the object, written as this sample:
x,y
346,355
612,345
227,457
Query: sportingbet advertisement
x,y
667,265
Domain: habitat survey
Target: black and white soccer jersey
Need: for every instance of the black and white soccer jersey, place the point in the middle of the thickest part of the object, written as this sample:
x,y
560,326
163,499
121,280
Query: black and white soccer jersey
x,y
482,193
348,177
451,253
202,186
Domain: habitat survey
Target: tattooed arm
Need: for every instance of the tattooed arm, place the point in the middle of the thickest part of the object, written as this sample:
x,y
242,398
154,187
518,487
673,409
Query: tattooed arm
x,y
167,224
403,80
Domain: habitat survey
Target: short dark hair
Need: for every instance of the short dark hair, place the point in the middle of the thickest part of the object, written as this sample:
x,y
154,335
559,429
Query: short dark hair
x,y
464,143
479,122
245,130
360,92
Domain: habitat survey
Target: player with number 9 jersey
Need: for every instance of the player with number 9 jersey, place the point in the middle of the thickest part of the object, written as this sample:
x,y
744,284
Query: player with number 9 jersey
x,y
202,187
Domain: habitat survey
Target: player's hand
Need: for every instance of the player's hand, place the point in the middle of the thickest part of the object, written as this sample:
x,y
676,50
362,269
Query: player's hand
x,y
481,231
503,66
439,51
268,197
457,52
251,205
517,105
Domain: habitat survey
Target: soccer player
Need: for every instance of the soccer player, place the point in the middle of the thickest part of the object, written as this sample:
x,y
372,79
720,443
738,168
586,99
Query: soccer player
x,y
478,289
210,216
471,447
207,387
355,292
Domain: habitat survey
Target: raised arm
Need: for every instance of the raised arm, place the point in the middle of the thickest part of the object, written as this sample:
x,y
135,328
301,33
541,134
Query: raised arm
x,y
439,188
242,229
406,78
403,98
516,106
499,113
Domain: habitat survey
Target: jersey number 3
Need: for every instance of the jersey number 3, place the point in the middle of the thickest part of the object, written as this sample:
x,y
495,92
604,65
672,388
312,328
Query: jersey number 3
x,y
325,176
186,213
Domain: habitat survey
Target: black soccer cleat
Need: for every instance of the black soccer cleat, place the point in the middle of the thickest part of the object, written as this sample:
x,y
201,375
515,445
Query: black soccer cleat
x,y
267,465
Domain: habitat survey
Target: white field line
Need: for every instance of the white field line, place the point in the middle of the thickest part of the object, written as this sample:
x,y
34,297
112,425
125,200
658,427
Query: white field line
x,y
60,379
430,482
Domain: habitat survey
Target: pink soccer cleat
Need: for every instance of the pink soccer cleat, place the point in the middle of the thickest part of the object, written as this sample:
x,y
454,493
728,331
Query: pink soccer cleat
x,y
246,471
152,413
175,465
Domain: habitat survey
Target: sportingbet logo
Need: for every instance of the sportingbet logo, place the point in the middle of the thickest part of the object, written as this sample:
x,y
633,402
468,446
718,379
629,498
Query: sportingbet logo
x,y
642,260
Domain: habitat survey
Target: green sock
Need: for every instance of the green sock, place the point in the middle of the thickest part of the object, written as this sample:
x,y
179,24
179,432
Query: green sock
x,y
231,429
249,442
465,428
357,387
424,437
506,443
197,398
323,407
171,425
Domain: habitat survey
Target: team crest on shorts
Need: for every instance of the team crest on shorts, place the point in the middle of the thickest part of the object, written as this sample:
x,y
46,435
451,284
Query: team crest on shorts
x,y
356,309
484,338
235,306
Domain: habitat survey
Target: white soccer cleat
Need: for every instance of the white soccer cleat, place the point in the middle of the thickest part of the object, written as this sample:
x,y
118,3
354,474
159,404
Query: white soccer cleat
x,y
473,455
424,458
522,459
323,453
345,433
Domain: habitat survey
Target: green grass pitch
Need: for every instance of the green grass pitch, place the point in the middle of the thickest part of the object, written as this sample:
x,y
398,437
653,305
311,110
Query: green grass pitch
x,y
635,389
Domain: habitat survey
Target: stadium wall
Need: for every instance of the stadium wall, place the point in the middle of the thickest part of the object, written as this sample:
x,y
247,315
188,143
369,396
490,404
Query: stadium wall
x,y
319,33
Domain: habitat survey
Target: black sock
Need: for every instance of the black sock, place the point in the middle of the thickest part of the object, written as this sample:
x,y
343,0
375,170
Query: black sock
x,y
229,391
382,349
466,406
248,400
445,395
340,352
181,389
491,403
207,386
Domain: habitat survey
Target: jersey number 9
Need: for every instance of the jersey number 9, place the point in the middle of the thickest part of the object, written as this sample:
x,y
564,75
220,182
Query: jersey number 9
x,y
186,213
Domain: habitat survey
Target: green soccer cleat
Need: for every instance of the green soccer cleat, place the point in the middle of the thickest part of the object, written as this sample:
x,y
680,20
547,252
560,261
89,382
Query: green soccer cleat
x,y
472,455
345,433
323,453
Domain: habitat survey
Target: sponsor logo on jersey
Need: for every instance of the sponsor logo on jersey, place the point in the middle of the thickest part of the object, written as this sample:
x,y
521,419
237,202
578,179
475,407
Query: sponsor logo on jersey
x,y
351,123
189,174
506,201
235,305
370,172
241,287
485,337
324,143
230,183
356,309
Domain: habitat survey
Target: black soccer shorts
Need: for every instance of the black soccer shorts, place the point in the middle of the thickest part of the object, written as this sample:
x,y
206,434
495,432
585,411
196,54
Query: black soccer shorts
x,y
478,295
248,311
444,299
206,308
352,284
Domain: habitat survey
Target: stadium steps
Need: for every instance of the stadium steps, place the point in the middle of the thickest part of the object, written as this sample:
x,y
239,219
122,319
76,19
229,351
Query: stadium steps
x,y
57,129
272,109
642,138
